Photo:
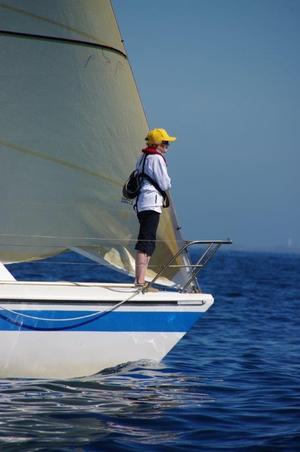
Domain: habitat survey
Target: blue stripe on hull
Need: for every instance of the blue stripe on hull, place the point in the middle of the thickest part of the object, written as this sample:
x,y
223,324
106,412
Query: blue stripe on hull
x,y
112,321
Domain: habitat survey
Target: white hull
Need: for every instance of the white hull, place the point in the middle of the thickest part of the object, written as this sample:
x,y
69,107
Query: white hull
x,y
68,355
44,337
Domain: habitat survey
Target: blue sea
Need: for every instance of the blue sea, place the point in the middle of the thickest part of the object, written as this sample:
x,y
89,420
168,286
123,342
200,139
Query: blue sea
x,y
231,384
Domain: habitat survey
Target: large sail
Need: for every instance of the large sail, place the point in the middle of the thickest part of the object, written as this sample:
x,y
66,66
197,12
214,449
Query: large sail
x,y
71,127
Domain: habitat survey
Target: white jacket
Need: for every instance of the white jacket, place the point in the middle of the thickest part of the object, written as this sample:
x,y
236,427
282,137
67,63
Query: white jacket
x,y
155,167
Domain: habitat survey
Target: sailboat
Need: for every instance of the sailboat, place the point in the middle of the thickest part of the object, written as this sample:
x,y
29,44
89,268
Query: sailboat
x,y
71,127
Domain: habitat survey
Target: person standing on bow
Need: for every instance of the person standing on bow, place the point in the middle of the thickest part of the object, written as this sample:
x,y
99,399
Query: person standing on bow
x,y
152,167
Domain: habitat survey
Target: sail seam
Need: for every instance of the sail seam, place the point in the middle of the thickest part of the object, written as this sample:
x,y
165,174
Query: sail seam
x,y
63,41
58,161
44,19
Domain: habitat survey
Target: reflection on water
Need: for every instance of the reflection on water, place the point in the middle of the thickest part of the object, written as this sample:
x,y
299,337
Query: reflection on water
x,y
129,401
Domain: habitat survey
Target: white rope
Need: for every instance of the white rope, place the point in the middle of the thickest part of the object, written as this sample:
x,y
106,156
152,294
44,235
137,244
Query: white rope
x,y
71,319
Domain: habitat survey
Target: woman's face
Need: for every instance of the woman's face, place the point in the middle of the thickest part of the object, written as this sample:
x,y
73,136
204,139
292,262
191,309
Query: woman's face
x,y
163,147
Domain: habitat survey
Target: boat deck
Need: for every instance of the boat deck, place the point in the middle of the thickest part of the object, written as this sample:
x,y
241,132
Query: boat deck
x,y
29,291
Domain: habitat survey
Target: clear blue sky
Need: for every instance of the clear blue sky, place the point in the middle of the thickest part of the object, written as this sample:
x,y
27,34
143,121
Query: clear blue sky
x,y
224,77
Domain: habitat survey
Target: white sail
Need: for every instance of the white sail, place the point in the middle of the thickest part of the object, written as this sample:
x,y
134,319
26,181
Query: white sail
x,y
71,127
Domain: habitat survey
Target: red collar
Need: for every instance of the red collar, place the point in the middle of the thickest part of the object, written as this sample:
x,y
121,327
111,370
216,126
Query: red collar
x,y
152,150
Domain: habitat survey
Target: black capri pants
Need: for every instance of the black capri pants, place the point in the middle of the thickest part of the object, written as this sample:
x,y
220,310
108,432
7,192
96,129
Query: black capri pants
x,y
148,220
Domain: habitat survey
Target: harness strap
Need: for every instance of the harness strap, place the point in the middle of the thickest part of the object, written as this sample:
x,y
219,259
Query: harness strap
x,y
157,187
143,175
140,178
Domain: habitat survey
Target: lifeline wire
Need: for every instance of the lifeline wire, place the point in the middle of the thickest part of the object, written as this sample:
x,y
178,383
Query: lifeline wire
x,y
94,314
96,239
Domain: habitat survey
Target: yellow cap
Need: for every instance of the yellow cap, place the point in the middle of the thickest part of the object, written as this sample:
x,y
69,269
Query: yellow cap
x,y
157,136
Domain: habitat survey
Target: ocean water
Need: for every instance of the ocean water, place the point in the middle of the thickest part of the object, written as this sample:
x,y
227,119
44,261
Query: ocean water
x,y
232,383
